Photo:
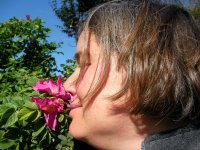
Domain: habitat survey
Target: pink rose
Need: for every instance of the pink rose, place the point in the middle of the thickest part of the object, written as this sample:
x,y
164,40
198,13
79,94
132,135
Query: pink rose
x,y
50,106
52,88
53,104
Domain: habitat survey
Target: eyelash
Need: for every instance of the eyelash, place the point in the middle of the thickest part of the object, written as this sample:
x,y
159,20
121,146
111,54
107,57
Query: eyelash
x,y
79,65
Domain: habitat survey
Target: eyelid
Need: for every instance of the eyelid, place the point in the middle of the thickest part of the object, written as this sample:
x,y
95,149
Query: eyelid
x,y
77,57
79,61
79,65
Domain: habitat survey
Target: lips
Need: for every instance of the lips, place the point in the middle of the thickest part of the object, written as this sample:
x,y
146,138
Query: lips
x,y
74,103
73,106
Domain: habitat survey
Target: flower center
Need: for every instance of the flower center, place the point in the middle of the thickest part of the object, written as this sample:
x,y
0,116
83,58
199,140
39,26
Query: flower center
x,y
51,108
55,90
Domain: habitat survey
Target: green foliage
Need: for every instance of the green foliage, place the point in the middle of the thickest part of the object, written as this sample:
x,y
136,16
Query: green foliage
x,y
26,42
68,68
22,124
25,57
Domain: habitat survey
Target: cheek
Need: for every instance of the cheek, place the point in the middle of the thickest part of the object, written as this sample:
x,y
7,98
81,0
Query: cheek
x,y
88,82
84,85
84,127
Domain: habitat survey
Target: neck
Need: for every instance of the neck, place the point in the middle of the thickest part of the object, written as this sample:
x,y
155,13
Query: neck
x,y
131,135
123,140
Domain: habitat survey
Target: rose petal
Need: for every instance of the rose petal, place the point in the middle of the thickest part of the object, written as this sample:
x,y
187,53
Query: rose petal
x,y
51,120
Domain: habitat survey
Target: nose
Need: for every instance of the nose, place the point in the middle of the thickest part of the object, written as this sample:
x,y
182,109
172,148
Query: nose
x,y
70,84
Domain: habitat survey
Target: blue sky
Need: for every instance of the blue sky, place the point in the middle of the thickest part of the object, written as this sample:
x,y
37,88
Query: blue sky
x,y
43,10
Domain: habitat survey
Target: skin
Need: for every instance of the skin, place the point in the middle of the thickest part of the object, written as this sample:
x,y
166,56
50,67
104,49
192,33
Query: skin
x,y
97,124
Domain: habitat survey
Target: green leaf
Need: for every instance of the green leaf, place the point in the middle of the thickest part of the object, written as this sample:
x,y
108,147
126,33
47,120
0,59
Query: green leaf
x,y
28,115
61,117
34,116
36,133
62,137
5,144
25,90
1,76
23,123
18,88
66,140
1,135
39,114
42,136
26,98
5,107
31,105
11,120
18,102
23,112
17,147
32,81
5,116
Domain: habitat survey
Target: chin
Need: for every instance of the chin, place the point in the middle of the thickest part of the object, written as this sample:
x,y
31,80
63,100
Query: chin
x,y
77,132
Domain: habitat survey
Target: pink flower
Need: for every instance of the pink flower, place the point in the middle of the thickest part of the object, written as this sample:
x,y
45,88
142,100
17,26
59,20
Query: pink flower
x,y
51,107
54,103
28,17
52,88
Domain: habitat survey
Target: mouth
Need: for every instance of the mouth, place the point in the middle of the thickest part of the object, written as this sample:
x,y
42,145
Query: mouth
x,y
73,104
71,107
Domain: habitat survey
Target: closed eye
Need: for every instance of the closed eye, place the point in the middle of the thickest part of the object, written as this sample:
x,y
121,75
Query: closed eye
x,y
79,60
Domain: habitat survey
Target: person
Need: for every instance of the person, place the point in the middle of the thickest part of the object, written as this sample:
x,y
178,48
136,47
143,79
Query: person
x,y
137,80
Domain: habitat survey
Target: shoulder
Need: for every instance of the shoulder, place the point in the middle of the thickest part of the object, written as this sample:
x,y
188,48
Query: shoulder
x,y
187,138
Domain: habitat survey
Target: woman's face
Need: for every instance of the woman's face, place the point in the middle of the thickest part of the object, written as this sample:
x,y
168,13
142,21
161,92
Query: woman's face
x,y
96,122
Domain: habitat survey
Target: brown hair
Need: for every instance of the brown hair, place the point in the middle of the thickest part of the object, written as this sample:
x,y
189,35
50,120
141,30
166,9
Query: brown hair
x,y
159,47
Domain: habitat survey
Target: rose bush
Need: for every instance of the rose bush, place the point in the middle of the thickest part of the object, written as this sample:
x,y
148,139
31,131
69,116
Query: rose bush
x,y
29,122
25,59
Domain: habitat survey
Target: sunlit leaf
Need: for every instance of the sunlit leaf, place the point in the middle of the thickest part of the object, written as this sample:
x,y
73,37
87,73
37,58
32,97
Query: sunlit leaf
x,y
5,116
31,105
11,120
27,115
